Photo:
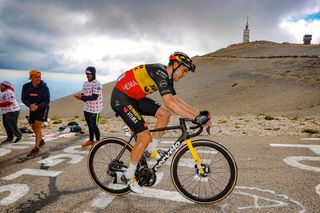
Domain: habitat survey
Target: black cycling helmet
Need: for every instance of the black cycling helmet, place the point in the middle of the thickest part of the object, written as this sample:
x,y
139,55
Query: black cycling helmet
x,y
183,59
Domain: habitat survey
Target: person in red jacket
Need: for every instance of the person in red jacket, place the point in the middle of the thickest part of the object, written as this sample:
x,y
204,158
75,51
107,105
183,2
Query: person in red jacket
x,y
10,110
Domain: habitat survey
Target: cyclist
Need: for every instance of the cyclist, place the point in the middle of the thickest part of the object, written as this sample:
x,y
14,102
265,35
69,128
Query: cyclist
x,y
129,100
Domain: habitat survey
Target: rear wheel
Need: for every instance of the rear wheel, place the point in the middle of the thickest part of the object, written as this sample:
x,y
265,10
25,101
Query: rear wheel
x,y
220,172
106,164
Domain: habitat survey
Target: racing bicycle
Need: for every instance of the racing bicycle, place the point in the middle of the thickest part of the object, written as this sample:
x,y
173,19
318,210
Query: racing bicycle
x,y
202,170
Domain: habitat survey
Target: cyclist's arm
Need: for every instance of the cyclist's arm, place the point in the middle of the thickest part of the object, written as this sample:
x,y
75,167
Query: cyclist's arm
x,y
185,106
174,105
178,106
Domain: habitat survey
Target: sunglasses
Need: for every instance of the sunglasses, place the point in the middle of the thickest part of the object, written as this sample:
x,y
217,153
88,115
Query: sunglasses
x,y
191,67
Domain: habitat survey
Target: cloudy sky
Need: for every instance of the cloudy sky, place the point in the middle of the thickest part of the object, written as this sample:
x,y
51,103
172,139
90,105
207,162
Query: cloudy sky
x,y
69,35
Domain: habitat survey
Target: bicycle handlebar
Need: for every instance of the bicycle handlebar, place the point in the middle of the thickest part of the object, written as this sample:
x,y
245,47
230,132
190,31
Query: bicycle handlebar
x,y
184,128
195,127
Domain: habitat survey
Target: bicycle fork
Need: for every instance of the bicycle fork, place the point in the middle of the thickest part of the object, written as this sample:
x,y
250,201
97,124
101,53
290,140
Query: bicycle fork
x,y
195,155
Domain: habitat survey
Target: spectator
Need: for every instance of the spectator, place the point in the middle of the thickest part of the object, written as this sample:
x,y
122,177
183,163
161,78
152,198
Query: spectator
x,y
10,110
36,96
91,94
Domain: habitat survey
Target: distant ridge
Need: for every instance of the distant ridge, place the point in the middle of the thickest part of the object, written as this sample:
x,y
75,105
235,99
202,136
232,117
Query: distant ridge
x,y
267,49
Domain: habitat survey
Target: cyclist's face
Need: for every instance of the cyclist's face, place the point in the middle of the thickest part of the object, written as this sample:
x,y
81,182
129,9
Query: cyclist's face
x,y
180,73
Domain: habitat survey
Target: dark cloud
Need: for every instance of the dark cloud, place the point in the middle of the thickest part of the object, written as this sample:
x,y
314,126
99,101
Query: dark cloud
x,y
38,33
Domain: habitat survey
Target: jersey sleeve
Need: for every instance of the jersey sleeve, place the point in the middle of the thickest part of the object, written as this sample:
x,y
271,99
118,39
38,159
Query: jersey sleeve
x,y
9,96
160,76
97,88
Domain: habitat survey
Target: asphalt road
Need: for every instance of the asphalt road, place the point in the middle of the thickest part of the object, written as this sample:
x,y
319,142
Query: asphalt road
x,y
276,174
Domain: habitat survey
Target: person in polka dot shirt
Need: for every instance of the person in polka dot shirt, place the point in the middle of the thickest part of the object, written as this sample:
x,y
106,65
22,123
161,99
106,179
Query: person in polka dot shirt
x,y
10,110
91,95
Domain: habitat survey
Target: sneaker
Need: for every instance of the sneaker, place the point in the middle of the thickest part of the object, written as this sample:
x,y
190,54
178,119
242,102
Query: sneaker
x,y
8,140
86,144
135,187
42,143
17,140
33,152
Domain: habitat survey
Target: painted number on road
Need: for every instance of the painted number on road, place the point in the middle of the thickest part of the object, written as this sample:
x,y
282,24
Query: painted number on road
x,y
17,191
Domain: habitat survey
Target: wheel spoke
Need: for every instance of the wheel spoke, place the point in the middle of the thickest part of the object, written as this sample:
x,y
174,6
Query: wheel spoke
x,y
99,161
208,187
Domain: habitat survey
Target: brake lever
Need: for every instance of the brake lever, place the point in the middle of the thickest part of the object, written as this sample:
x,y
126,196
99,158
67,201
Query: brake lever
x,y
208,130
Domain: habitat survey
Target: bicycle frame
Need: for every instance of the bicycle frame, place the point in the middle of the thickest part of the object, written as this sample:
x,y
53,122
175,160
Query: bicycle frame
x,y
185,136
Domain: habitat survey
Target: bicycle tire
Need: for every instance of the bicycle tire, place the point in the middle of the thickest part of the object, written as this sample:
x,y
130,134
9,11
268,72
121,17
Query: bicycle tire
x,y
183,165
100,157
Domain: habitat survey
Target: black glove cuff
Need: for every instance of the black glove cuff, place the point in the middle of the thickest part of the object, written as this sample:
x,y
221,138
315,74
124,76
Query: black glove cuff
x,y
201,119
204,112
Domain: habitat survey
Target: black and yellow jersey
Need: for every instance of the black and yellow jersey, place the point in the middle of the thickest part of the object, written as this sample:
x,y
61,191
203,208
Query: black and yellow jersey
x,y
145,79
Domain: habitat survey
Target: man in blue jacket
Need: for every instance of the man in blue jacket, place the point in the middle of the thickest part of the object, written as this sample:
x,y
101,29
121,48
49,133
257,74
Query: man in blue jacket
x,y
36,96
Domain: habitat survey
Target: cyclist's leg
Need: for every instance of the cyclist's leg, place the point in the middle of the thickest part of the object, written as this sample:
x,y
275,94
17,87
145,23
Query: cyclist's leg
x,y
147,106
127,110
163,118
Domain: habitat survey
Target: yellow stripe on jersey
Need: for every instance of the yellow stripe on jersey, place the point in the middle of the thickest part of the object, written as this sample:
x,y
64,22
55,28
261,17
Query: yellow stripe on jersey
x,y
144,80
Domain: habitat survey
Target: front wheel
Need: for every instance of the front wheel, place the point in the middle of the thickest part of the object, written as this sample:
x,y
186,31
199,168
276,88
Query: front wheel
x,y
220,172
107,162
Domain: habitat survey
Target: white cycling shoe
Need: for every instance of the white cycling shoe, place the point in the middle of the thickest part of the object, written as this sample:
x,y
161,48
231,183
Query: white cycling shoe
x,y
135,187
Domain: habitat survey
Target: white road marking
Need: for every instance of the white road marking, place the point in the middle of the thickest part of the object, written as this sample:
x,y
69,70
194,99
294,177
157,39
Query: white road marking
x,y
167,142
4,151
318,189
73,150
310,139
159,178
294,161
17,191
162,194
102,200
49,138
18,145
314,148
54,160
276,203
34,172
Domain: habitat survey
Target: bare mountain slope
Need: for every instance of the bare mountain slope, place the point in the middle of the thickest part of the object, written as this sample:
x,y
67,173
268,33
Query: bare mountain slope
x,y
235,85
